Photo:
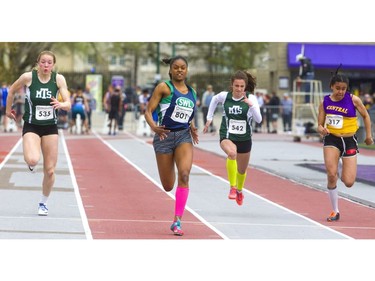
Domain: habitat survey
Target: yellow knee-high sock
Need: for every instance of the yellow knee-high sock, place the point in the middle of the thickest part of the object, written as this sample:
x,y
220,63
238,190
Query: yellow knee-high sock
x,y
232,171
240,181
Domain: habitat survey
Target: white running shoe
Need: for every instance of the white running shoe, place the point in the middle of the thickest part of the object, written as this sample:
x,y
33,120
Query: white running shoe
x,y
42,210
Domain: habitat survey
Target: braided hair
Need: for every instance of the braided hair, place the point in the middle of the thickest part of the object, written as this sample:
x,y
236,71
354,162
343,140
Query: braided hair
x,y
170,61
338,78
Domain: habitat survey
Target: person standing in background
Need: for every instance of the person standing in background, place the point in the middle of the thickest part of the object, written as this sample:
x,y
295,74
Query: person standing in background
x,y
4,95
274,108
115,107
260,99
206,100
91,103
286,112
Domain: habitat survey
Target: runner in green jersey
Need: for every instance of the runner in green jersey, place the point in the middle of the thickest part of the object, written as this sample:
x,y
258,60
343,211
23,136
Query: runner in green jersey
x,y
240,108
40,119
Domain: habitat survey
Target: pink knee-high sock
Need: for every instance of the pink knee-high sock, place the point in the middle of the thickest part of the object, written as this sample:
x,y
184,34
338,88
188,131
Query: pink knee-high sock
x,y
182,194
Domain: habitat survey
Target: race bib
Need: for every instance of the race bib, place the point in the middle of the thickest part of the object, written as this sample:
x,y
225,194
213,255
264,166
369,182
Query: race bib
x,y
237,127
181,114
44,112
335,121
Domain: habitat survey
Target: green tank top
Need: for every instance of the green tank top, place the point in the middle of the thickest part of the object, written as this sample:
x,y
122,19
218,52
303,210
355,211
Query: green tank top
x,y
38,109
235,124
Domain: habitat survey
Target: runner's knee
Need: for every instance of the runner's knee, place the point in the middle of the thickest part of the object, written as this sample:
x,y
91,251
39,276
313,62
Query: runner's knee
x,y
31,161
348,182
184,178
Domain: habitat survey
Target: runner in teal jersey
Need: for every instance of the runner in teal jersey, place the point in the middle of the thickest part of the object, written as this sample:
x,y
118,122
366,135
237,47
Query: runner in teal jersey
x,y
40,132
175,133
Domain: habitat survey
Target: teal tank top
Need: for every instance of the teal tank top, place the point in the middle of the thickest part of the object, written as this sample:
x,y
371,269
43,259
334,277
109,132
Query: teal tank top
x,y
38,109
235,124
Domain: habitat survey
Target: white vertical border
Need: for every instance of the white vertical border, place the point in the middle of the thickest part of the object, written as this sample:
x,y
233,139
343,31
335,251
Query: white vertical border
x,y
85,222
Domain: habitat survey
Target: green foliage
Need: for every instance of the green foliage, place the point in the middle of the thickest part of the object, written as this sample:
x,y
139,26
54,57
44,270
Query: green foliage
x,y
226,56
16,58
219,57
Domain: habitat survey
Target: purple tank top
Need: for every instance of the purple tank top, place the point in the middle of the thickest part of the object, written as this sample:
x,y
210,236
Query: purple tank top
x,y
344,107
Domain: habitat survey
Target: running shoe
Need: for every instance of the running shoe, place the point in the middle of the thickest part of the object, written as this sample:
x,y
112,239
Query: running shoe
x,y
32,168
239,197
42,210
176,228
333,216
232,193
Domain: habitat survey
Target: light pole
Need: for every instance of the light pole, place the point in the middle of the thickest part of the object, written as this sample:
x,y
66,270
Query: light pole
x,y
158,58
157,75
173,49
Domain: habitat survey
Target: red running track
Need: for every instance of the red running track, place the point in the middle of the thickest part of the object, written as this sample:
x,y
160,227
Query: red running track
x,y
120,202
6,145
356,220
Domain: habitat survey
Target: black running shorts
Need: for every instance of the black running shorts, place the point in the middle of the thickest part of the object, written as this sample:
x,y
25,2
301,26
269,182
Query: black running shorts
x,y
40,130
348,147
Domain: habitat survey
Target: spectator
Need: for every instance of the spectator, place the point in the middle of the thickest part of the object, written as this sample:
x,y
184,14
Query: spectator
x,y
274,108
19,103
79,107
306,72
206,100
91,102
198,105
124,106
261,102
115,102
4,95
367,101
106,98
286,112
143,100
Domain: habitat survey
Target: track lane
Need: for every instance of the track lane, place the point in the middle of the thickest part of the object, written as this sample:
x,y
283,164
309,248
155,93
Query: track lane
x,y
357,220
121,203
6,144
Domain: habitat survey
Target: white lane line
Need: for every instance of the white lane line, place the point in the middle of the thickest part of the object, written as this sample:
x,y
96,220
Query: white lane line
x,y
277,205
82,212
10,153
222,235
245,190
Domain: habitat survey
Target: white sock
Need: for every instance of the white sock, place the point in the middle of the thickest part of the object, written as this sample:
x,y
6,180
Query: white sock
x,y
44,199
334,197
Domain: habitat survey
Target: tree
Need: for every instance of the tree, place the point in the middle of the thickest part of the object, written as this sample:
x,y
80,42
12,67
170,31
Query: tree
x,y
225,56
16,58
